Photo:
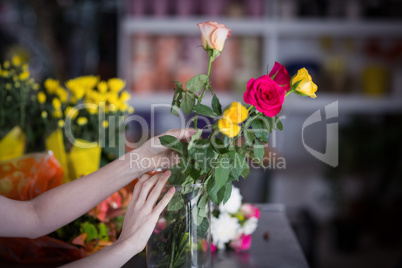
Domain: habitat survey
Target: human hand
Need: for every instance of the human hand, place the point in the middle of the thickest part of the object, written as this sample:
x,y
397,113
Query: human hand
x,y
152,154
142,214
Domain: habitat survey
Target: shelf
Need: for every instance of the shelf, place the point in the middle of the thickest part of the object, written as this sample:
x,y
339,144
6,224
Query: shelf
x,y
299,27
294,103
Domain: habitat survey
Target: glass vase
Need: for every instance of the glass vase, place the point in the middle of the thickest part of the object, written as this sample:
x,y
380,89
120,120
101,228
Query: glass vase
x,y
182,236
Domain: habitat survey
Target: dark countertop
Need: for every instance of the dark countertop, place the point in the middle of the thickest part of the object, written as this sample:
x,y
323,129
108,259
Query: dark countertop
x,y
273,245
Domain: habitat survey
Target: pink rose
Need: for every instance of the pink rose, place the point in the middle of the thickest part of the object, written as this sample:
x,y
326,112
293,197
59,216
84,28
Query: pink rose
x,y
243,242
265,94
249,211
282,77
213,35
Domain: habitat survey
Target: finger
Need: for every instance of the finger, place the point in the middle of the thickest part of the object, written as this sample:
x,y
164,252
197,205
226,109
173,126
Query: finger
x,y
146,188
156,191
165,201
138,186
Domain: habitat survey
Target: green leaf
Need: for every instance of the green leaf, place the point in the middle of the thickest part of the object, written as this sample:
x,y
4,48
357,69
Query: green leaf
x,y
196,83
259,150
278,123
246,172
260,129
239,164
178,84
222,172
204,110
194,138
228,191
194,173
90,230
176,203
219,146
202,229
171,143
188,103
216,105
176,176
103,232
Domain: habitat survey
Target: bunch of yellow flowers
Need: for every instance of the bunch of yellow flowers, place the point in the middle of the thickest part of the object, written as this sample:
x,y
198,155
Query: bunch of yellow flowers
x,y
81,100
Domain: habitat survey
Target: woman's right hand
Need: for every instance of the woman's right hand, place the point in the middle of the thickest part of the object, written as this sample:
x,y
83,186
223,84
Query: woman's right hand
x,y
142,214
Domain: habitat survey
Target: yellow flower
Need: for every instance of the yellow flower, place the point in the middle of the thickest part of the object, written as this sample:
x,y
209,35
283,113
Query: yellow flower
x,y
51,85
232,116
130,110
62,94
82,121
57,114
9,86
56,103
35,86
116,84
71,112
24,75
60,123
125,96
105,124
6,64
102,86
228,129
41,97
4,73
306,86
123,107
44,114
17,84
112,107
16,61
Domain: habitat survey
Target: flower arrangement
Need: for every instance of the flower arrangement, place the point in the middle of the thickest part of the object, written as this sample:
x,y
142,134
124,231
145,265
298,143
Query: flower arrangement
x,y
218,153
91,111
233,223
17,99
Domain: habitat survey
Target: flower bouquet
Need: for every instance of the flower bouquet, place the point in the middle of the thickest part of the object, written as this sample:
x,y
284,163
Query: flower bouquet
x,y
233,223
218,153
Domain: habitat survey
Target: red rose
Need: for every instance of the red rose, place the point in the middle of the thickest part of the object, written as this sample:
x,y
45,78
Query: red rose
x,y
265,94
282,77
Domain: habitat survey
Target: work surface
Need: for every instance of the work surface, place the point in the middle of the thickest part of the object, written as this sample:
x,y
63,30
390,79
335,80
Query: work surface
x,y
273,245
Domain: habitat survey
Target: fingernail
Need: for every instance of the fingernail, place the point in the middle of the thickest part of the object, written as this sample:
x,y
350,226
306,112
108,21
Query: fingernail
x,y
172,190
167,173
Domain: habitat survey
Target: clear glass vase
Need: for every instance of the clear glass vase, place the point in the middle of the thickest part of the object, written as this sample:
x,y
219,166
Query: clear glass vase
x,y
182,236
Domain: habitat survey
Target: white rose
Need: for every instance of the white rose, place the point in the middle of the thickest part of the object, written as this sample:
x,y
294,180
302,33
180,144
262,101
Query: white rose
x,y
213,35
234,203
249,226
224,229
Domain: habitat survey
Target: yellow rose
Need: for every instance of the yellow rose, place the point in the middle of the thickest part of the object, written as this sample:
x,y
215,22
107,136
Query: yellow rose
x,y
60,123
306,86
62,94
44,114
227,128
213,35
16,61
232,116
57,114
41,97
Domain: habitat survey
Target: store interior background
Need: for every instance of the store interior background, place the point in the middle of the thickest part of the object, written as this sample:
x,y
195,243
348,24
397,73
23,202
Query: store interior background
x,y
344,216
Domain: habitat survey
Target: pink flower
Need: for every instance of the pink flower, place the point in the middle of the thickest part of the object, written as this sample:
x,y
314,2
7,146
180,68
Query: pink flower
x,y
282,77
213,35
265,94
243,242
249,211
213,247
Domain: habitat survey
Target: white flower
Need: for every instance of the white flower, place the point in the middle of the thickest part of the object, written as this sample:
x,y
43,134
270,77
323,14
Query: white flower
x,y
234,203
224,229
249,226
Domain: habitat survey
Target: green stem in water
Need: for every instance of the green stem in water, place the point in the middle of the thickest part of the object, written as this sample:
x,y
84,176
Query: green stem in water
x,y
211,59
